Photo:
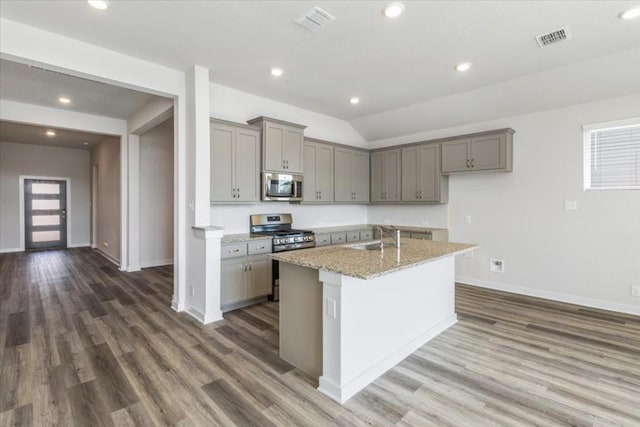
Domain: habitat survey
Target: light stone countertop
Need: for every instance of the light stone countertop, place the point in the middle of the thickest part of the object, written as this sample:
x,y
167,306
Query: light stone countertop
x,y
369,264
242,237
353,227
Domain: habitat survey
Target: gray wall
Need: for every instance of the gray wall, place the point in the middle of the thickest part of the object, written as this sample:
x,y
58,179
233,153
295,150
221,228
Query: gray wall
x,y
35,160
106,156
156,197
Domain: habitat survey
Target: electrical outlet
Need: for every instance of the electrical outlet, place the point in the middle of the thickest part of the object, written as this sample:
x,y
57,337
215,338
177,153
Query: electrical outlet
x,y
330,308
105,244
387,222
635,290
467,219
570,205
496,265
193,291
469,254
425,223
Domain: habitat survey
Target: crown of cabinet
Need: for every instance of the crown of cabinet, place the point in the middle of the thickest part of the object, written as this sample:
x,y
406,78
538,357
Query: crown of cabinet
x,y
282,145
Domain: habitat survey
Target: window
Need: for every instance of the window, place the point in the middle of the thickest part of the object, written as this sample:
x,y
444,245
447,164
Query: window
x,y
612,156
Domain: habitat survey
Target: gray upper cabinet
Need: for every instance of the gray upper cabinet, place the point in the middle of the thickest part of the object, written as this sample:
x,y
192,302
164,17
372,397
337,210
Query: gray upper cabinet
x,y
385,176
421,178
351,178
235,167
486,152
282,145
318,173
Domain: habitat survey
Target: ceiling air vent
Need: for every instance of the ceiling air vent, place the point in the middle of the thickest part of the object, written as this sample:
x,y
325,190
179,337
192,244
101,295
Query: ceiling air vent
x,y
314,19
553,37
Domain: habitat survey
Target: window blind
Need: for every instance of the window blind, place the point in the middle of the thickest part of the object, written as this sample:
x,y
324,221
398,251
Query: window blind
x,y
613,158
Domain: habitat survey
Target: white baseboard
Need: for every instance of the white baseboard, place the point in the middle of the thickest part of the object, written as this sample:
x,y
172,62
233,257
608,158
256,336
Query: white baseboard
x,y
94,246
109,257
554,296
157,263
342,393
205,319
175,305
9,250
79,245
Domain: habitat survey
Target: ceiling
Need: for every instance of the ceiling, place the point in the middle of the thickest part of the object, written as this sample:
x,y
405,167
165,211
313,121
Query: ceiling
x,y
401,68
28,134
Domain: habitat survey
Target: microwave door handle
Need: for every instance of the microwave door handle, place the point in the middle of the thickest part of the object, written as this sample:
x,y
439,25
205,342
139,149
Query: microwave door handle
x,y
295,189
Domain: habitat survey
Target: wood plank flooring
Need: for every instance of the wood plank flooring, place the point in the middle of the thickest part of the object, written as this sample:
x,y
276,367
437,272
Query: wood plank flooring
x,y
82,343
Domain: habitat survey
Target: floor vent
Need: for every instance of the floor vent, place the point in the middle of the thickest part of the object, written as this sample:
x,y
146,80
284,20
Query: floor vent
x,y
314,19
553,37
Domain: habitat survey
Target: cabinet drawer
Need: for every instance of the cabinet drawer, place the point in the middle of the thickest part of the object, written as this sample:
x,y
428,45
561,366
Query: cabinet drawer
x,y
366,235
337,238
353,236
323,239
233,250
260,247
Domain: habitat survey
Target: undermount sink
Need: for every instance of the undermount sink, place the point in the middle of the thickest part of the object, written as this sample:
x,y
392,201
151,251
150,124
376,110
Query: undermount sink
x,y
369,246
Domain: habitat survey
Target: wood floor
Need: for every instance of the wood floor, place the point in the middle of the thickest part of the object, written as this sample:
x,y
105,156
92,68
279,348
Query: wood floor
x,y
84,344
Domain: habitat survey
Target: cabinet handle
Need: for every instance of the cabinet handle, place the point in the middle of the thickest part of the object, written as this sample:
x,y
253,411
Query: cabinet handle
x,y
468,163
260,247
245,267
249,266
238,193
320,194
231,251
472,165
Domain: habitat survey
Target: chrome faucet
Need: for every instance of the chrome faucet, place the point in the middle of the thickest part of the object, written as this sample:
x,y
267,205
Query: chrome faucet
x,y
393,232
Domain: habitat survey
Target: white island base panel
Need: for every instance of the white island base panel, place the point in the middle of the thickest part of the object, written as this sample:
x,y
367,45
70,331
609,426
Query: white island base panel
x,y
368,326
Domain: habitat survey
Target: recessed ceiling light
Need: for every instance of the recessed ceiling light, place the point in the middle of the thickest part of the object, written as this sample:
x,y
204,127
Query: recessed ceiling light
x,y
463,66
275,71
99,4
50,133
393,10
632,13
64,100
354,100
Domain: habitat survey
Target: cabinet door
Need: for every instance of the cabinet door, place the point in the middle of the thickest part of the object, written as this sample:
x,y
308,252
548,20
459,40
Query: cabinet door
x,y
274,147
222,161
410,171
377,177
292,149
342,175
324,172
488,152
360,176
310,184
391,175
259,279
247,165
429,173
323,239
455,155
233,280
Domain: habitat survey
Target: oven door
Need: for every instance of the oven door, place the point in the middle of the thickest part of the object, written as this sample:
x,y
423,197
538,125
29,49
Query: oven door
x,y
283,187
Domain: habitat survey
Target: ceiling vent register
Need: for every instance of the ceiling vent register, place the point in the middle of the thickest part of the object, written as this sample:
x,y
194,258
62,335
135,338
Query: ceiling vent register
x,y
553,37
314,19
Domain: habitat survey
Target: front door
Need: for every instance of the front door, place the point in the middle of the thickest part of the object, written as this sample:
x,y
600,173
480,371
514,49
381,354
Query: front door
x,y
45,210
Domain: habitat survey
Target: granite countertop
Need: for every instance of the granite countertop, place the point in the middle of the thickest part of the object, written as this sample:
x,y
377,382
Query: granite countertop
x,y
344,228
369,264
242,237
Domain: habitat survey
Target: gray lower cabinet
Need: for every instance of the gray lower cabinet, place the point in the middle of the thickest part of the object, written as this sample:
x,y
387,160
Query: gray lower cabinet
x,y
323,239
245,273
235,162
351,175
421,177
338,238
385,176
486,152
318,173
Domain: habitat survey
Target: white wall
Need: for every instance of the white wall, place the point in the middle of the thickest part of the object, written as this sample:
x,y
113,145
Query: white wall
x,y
106,155
237,106
36,160
156,197
589,256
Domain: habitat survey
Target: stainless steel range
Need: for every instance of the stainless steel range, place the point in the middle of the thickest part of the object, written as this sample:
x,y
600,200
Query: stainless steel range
x,y
284,238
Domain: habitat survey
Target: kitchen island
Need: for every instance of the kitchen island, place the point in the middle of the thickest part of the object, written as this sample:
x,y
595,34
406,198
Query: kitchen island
x,y
348,314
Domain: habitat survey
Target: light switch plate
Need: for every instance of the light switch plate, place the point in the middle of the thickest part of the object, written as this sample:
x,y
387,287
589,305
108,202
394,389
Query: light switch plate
x,y
570,205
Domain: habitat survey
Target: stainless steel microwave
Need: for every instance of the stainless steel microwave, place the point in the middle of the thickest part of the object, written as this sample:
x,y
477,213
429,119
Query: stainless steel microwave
x,y
281,187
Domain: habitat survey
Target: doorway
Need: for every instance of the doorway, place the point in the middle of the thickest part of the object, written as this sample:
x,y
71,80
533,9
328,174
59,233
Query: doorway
x,y
45,214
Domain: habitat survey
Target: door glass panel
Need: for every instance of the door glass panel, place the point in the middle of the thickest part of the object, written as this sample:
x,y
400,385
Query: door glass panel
x,y
41,188
39,204
45,236
45,220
